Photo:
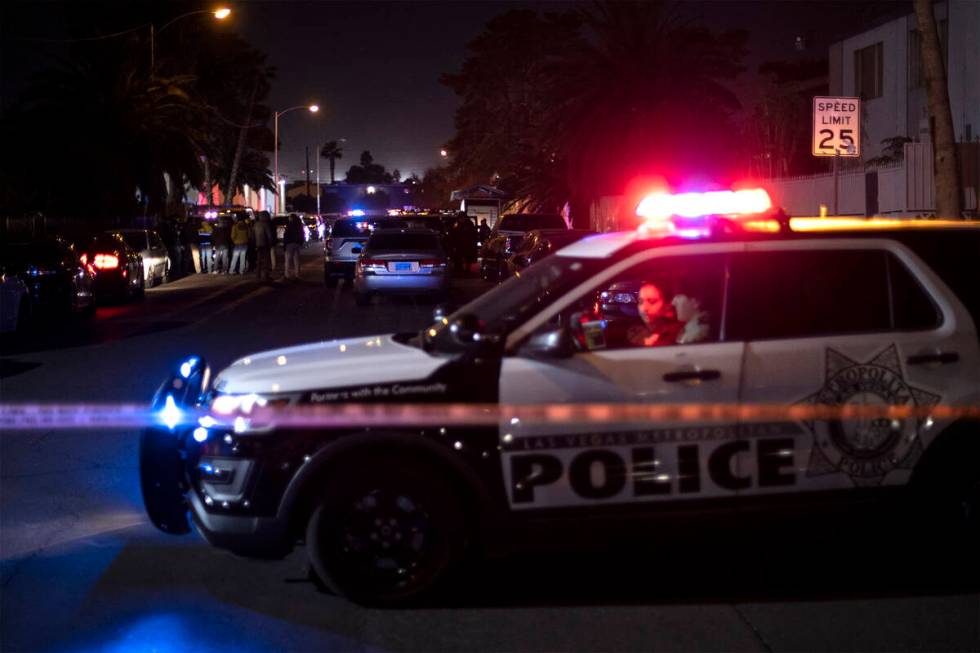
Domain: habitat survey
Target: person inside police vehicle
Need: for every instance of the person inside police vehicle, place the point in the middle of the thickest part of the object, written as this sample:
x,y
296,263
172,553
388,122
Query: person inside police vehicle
x,y
659,325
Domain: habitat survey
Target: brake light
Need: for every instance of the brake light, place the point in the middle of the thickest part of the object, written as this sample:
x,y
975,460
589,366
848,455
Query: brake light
x,y
432,263
106,261
371,265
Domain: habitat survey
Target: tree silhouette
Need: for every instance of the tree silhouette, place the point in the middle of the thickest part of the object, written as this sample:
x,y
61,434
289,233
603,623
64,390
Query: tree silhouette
x,y
332,151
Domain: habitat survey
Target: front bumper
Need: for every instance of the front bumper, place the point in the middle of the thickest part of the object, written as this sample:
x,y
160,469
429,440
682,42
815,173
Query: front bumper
x,y
177,498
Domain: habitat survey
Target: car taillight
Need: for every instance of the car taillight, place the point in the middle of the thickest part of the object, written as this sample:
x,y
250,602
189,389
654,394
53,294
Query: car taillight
x,y
106,261
371,265
432,263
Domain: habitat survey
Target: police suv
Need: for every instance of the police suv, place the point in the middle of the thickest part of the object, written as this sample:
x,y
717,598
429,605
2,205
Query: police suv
x,y
819,326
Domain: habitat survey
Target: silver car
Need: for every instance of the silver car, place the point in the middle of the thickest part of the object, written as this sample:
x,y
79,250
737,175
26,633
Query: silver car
x,y
149,245
402,261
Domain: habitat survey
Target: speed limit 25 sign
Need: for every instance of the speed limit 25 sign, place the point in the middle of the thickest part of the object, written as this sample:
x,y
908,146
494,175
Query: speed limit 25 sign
x,y
836,126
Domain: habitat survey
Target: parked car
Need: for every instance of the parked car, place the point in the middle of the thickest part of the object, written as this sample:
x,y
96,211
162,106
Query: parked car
x,y
15,303
118,268
405,261
149,245
506,235
57,282
540,243
343,246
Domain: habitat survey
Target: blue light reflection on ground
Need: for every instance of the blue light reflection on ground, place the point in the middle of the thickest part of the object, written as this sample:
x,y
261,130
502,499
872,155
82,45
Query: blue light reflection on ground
x,y
197,627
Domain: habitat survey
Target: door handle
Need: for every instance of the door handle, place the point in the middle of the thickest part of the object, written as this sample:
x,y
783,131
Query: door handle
x,y
935,358
691,375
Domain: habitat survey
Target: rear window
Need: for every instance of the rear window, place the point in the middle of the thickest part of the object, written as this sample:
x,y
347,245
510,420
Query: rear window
x,y
360,226
799,294
136,241
405,242
528,221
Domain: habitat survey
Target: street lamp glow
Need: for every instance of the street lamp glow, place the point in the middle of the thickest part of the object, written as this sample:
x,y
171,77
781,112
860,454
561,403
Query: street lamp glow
x,y
314,108
222,13
443,153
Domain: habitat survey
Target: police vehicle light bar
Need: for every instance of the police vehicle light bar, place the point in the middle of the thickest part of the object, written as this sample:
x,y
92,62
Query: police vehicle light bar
x,y
662,206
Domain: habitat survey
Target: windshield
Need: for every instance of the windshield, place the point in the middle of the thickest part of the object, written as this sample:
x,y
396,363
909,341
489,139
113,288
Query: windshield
x,y
510,304
403,242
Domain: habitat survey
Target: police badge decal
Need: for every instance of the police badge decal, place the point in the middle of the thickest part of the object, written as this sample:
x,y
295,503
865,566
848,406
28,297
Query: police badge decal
x,y
866,449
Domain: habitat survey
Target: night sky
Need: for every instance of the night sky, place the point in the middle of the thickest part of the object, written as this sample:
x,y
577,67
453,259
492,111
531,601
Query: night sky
x,y
374,66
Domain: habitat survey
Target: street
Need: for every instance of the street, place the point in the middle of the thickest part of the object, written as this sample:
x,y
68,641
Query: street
x,y
83,569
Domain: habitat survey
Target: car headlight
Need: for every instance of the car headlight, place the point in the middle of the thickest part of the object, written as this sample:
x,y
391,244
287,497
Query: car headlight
x,y
235,411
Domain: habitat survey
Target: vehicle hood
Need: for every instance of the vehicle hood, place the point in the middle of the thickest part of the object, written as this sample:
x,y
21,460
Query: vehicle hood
x,y
337,363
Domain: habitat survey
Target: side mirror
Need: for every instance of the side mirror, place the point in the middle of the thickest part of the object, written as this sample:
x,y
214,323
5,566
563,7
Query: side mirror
x,y
442,311
558,343
466,329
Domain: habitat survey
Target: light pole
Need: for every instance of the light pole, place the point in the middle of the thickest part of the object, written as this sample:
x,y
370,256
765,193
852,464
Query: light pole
x,y
219,14
312,108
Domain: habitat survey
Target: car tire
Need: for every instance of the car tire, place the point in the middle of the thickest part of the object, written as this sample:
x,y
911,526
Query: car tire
x,y
140,291
362,299
945,489
385,533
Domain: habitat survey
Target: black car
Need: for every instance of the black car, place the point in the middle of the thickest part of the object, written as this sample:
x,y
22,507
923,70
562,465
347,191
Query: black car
x,y
540,243
117,267
57,282
505,237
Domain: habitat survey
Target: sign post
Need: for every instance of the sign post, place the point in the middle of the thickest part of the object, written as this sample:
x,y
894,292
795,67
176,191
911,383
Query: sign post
x,y
836,132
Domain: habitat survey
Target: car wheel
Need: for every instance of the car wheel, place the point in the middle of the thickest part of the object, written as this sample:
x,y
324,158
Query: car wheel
x,y
362,298
946,489
140,290
386,535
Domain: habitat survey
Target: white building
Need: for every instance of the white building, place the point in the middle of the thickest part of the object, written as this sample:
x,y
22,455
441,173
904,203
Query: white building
x,y
882,66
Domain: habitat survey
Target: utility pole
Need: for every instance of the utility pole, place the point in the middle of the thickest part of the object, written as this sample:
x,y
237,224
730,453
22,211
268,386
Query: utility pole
x,y
836,178
307,148
318,190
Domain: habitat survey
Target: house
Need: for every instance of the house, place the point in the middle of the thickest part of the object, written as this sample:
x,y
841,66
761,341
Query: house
x,y
882,66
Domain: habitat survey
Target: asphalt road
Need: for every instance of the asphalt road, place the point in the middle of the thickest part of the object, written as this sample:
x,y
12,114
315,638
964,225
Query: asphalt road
x,y
83,570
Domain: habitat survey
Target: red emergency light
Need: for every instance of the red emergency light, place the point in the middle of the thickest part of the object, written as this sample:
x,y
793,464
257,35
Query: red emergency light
x,y
661,206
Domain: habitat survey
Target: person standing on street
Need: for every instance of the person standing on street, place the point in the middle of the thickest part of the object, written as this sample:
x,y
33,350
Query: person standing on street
x,y
264,240
204,234
484,231
292,241
188,236
221,240
239,242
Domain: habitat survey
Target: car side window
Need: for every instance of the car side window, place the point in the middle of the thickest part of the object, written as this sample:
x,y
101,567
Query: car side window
x,y
912,309
810,293
667,301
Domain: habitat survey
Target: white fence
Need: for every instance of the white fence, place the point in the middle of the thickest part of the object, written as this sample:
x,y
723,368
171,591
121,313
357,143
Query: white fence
x,y
903,189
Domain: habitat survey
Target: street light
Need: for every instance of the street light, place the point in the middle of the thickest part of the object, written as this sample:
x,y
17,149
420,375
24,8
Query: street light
x,y
312,108
220,14
443,153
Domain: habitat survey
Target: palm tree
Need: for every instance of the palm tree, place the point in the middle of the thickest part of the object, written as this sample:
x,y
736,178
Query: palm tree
x,y
643,92
948,195
125,132
332,151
